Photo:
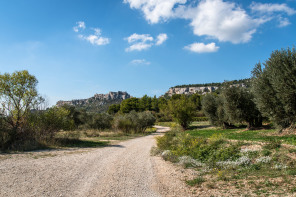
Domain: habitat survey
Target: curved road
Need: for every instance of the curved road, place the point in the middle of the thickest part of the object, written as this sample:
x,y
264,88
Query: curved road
x,y
126,169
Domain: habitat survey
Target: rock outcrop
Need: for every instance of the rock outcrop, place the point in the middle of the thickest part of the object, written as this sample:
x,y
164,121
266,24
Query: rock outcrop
x,y
99,102
191,90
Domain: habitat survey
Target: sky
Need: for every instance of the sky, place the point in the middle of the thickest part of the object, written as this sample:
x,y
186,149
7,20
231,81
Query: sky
x,y
79,48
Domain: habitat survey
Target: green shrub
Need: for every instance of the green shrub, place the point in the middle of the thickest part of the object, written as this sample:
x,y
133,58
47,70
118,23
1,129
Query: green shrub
x,y
266,152
134,122
101,121
273,144
197,181
165,142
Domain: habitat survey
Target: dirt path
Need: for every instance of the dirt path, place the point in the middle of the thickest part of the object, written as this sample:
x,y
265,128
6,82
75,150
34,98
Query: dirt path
x,y
126,169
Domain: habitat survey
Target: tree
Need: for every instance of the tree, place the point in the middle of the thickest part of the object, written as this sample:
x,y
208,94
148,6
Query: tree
x,y
129,105
18,95
196,100
145,103
213,107
114,108
240,107
182,110
154,104
274,87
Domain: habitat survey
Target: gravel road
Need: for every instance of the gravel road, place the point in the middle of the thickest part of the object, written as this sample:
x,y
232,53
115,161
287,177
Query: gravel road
x,y
126,169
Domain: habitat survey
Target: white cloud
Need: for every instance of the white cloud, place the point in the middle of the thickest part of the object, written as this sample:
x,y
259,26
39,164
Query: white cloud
x,y
155,10
202,48
161,38
79,25
140,62
273,11
139,42
95,39
139,37
221,20
138,47
283,22
270,8
216,19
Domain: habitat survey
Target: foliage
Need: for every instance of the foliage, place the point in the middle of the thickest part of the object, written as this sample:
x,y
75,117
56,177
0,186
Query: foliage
x,y
128,105
274,87
134,121
239,106
18,94
113,109
213,107
46,123
100,121
182,110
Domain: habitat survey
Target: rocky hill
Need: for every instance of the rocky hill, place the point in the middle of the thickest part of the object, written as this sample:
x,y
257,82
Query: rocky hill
x,y
97,103
204,88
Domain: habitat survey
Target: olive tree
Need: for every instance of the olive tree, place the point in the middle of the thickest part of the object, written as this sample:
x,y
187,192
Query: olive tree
x,y
274,87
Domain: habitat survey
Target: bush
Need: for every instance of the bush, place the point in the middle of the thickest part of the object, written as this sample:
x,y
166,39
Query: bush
x,y
100,121
134,122
165,142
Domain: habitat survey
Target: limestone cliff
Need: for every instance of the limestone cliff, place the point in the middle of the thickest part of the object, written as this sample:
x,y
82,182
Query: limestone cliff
x,y
191,90
97,103
205,88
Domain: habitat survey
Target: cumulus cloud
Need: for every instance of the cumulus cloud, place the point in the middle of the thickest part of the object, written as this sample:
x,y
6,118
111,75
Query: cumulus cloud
x,y
80,25
161,38
139,42
216,19
222,20
140,62
198,47
95,38
155,10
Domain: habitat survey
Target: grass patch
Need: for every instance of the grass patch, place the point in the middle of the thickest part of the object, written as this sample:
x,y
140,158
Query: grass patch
x,y
264,135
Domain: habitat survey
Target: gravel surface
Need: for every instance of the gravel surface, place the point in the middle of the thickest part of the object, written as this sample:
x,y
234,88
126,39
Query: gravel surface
x,y
126,169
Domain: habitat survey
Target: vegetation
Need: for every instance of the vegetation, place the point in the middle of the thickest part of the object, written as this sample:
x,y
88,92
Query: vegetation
x,y
182,110
228,157
25,124
240,107
274,87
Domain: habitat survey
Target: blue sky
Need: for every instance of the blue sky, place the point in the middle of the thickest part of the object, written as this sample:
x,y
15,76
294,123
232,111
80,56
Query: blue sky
x,y
79,48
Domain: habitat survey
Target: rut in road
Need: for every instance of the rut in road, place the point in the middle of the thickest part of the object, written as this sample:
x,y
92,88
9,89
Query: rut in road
x,y
126,169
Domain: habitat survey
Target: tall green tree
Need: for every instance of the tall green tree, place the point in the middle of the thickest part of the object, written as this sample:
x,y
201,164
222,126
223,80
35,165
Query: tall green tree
x,y
274,87
128,105
154,104
18,94
240,107
213,107
182,110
